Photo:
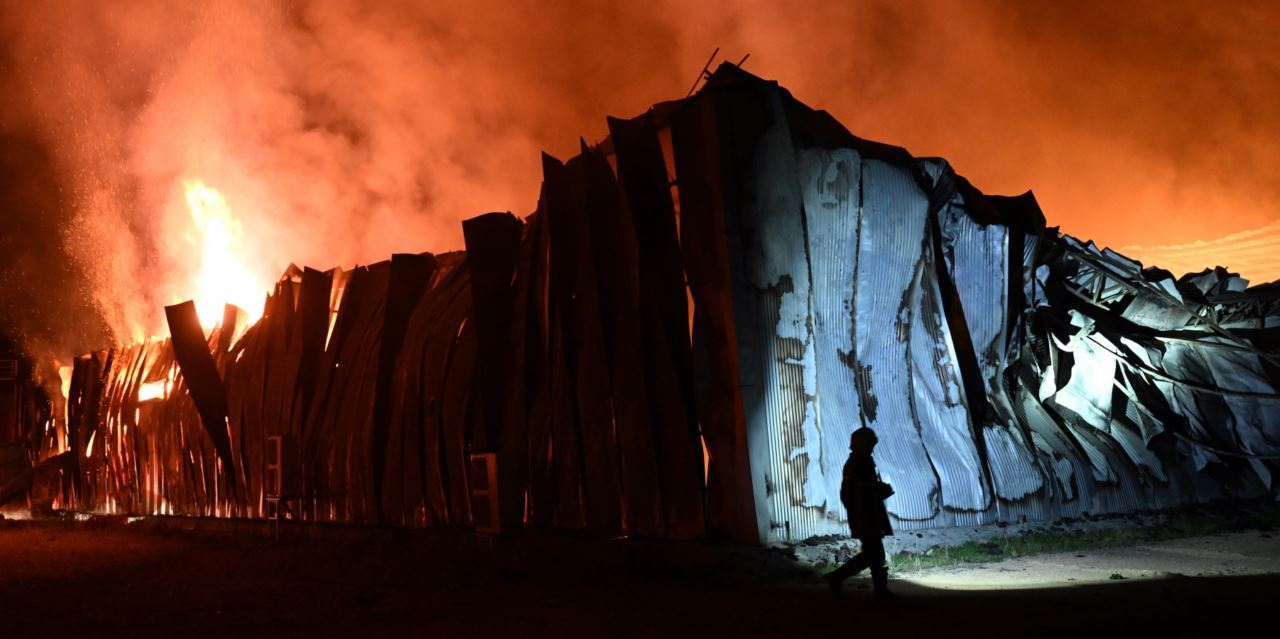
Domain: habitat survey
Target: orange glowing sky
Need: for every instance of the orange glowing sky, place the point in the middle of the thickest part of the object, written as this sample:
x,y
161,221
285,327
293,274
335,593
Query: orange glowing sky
x,y
340,131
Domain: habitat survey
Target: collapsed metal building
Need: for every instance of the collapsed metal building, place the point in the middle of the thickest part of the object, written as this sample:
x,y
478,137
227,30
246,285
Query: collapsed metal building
x,y
678,344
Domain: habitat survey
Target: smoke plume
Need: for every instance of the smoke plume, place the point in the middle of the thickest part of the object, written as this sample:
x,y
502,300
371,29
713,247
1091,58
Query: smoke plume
x,y
340,131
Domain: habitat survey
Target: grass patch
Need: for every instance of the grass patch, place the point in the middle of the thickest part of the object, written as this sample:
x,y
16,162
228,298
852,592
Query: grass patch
x,y
1192,522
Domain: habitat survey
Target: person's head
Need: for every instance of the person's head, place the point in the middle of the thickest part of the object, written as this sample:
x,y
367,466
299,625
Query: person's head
x,y
863,440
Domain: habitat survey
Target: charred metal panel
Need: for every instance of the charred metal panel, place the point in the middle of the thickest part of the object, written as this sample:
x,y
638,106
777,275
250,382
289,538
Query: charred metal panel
x,y
613,240
567,445
664,314
456,400
350,454
409,276
308,341
201,375
538,376
494,254
512,441
696,142
442,317
493,250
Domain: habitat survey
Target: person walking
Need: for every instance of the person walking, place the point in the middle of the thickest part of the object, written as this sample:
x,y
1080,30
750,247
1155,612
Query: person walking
x,y
863,495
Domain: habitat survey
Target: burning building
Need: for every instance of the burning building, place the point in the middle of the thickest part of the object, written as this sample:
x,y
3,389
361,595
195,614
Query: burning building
x,y
678,344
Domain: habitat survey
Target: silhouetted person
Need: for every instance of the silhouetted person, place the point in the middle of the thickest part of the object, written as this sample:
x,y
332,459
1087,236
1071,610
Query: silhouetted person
x,y
863,495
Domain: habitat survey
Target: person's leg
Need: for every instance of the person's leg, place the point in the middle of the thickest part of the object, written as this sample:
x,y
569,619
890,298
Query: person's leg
x,y
850,568
859,562
874,549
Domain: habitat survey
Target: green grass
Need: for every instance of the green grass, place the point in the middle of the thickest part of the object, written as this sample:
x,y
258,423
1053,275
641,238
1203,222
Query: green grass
x,y
1180,524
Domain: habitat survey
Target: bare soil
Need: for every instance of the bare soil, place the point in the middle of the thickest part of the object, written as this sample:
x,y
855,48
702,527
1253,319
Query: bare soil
x,y
106,577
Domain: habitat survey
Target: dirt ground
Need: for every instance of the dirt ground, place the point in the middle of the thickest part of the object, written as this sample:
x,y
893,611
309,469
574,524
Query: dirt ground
x,y
108,577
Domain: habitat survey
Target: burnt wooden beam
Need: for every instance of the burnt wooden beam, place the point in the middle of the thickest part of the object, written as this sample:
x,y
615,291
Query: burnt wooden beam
x,y
201,375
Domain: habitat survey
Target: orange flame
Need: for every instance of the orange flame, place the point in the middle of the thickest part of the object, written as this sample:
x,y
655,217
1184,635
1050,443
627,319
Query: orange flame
x,y
223,277
158,389
64,375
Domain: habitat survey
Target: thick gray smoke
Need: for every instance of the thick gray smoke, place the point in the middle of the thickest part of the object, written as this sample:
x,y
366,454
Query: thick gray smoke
x,y
341,131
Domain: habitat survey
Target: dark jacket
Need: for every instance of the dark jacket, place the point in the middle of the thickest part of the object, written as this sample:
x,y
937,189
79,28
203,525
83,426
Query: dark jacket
x,y
863,495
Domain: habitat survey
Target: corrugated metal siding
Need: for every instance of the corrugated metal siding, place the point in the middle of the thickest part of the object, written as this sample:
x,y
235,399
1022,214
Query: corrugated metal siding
x,y
842,322
978,261
938,399
831,186
772,302
889,262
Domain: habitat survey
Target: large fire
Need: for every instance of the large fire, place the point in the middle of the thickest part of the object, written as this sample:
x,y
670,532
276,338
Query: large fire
x,y
223,277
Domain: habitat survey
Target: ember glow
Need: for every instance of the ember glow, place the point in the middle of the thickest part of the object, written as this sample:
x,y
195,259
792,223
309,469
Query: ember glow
x,y
154,390
223,277
64,376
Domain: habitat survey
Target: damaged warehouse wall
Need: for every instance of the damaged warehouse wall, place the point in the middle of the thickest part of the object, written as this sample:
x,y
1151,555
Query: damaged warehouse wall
x,y
1010,372
679,342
